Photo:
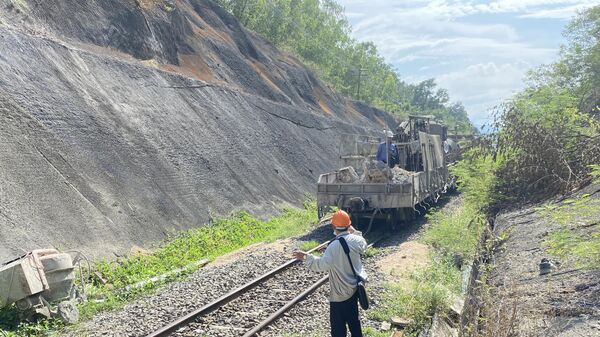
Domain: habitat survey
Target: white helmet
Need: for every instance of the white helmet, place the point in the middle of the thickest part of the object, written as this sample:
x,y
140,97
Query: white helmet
x,y
389,134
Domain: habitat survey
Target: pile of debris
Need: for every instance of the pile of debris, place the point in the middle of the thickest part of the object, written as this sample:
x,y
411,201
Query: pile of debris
x,y
374,171
347,175
401,176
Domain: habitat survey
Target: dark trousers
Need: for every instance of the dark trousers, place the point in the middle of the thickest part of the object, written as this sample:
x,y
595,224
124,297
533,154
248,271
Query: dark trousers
x,y
342,313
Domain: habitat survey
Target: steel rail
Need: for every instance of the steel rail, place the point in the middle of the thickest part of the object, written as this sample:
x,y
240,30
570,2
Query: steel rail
x,y
221,301
286,307
267,321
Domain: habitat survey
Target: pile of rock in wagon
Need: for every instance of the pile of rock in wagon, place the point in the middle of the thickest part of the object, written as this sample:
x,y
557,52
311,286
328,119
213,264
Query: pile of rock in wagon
x,y
374,171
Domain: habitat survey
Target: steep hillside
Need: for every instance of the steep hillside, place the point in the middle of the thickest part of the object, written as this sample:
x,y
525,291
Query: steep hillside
x,y
122,121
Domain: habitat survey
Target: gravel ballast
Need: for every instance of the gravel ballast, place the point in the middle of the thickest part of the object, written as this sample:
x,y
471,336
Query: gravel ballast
x,y
309,318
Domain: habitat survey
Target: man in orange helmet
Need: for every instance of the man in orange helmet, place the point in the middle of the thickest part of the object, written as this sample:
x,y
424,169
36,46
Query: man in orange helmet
x,y
343,298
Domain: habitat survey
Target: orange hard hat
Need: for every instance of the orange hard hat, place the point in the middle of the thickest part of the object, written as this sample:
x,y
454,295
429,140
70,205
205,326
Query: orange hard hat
x,y
341,219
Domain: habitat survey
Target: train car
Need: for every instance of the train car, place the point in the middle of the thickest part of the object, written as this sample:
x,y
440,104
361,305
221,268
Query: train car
x,y
418,178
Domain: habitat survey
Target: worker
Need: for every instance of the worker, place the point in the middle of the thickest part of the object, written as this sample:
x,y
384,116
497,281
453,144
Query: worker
x,y
343,298
389,156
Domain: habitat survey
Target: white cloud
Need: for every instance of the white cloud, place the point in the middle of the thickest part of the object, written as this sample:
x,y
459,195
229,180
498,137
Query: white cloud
x,y
481,86
401,41
407,58
452,9
475,49
354,15
564,13
516,6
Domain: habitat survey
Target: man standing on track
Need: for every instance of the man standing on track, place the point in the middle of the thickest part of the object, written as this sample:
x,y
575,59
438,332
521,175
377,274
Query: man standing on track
x,y
343,299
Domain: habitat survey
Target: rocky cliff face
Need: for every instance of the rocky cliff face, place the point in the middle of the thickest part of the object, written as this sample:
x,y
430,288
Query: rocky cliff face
x,y
122,121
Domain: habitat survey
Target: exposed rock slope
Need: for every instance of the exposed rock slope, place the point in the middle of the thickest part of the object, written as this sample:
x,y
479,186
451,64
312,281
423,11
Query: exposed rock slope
x,y
122,121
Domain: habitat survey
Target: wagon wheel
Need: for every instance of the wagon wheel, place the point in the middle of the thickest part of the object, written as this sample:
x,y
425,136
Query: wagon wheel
x,y
355,219
394,218
322,211
371,221
391,219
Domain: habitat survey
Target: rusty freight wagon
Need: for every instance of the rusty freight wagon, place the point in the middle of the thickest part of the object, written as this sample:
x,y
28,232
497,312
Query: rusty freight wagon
x,y
371,190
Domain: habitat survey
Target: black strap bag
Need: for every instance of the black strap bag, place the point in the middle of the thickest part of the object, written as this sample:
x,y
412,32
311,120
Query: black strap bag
x,y
363,299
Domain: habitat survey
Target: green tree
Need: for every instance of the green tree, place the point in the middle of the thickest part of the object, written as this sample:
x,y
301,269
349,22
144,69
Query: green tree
x,y
318,32
549,134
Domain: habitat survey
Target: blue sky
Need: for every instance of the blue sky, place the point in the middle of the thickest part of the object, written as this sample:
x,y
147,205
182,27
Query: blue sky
x,y
479,50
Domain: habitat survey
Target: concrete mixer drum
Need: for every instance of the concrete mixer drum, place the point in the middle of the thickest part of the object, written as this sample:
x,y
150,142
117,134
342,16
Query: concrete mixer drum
x,y
36,281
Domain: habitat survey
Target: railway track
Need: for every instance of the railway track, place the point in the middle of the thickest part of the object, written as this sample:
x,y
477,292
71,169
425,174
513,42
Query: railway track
x,y
252,307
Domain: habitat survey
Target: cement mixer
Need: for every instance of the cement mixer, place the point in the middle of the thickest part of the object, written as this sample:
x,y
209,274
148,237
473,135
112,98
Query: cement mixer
x,y
37,281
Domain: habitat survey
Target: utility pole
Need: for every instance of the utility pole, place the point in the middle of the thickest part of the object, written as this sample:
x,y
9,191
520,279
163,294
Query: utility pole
x,y
360,77
358,91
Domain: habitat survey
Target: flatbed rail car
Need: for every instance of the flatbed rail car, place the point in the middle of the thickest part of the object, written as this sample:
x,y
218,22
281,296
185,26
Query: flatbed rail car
x,y
423,155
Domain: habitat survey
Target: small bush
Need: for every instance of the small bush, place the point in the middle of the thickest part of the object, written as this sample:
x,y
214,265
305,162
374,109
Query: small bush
x,y
581,247
455,233
428,290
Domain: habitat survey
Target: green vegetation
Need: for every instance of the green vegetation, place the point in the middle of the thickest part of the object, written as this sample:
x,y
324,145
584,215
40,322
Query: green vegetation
x,y
595,173
429,289
454,234
548,134
308,245
318,32
581,247
222,236
547,138
370,252
583,250
371,332
41,328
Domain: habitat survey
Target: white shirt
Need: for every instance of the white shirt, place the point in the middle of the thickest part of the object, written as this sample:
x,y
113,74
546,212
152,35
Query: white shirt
x,y
341,279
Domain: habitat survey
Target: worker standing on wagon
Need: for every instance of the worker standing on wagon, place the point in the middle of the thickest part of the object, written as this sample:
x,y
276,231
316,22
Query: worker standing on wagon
x,y
388,154
343,299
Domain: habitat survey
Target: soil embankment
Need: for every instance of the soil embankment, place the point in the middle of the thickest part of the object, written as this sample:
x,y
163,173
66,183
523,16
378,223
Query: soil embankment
x,y
533,292
124,121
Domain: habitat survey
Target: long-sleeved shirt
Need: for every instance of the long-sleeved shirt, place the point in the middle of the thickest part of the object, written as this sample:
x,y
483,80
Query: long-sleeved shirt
x,y
382,154
341,279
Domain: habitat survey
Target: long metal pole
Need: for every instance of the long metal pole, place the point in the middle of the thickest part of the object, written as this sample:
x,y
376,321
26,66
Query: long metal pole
x,y
387,149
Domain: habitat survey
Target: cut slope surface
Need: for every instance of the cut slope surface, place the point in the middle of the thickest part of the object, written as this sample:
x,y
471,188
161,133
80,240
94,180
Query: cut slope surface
x,y
105,149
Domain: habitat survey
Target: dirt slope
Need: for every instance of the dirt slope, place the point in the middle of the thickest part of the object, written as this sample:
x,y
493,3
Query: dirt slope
x,y
565,301
122,121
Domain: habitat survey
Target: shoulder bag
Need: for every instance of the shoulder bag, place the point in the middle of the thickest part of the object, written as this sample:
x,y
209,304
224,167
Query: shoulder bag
x,y
363,299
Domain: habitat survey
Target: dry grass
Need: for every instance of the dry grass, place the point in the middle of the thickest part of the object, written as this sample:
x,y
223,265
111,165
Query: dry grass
x,y
501,318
